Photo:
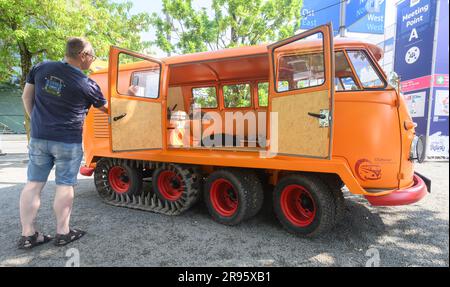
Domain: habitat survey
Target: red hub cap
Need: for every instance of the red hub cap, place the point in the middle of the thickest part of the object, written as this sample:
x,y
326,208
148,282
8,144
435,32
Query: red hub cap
x,y
170,185
298,205
224,197
118,179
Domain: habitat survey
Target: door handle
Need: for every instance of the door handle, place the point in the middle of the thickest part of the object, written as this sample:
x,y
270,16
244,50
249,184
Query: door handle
x,y
319,116
119,117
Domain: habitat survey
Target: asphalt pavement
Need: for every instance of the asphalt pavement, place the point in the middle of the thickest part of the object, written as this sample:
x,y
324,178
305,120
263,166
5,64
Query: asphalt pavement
x,y
415,235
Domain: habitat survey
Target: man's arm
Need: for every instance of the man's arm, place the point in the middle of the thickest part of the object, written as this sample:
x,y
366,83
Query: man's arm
x,y
28,98
104,108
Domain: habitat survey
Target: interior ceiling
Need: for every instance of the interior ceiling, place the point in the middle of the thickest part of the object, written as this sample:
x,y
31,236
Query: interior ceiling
x,y
255,66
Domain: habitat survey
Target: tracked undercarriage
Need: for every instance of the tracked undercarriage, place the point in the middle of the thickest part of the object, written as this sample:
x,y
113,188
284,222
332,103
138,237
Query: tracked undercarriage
x,y
147,199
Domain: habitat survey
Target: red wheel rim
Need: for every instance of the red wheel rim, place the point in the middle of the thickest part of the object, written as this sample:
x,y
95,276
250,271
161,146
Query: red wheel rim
x,y
298,205
170,185
118,179
224,197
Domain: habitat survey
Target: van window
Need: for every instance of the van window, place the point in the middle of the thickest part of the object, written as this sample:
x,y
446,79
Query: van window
x,y
365,70
205,97
283,86
263,91
344,78
301,71
237,96
144,84
263,94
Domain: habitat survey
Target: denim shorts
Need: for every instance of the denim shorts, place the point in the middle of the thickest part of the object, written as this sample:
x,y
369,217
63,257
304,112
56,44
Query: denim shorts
x,y
43,154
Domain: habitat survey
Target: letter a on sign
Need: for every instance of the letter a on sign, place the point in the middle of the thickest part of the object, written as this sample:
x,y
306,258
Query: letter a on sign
x,y
413,35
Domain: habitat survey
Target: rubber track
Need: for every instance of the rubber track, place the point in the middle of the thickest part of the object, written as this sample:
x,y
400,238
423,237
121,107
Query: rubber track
x,y
146,200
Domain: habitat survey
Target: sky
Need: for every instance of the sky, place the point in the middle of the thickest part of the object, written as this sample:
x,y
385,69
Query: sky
x,y
151,6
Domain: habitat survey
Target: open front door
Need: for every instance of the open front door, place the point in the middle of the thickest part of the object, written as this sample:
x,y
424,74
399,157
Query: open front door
x,y
301,89
136,85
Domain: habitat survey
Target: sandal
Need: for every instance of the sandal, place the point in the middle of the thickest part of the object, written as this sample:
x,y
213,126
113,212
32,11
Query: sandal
x,y
28,242
64,239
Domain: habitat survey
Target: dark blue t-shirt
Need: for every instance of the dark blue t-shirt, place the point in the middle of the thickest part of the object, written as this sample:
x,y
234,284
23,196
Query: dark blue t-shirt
x,y
63,95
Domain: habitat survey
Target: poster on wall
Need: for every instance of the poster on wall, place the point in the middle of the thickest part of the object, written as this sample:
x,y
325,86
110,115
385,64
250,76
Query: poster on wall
x,y
416,104
441,103
438,136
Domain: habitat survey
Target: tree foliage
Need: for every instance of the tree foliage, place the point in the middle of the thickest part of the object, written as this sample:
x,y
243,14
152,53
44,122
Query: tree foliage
x,y
228,23
33,30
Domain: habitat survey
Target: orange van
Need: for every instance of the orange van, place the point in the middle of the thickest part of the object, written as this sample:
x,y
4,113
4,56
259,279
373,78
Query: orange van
x,y
303,117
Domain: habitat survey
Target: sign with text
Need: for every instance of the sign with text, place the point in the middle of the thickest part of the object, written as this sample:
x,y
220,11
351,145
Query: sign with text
x,y
315,13
414,39
365,16
441,66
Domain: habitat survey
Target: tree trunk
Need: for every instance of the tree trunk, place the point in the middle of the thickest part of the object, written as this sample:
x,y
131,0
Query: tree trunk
x,y
25,65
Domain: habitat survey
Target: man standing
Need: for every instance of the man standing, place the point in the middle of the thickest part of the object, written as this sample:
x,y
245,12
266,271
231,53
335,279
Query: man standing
x,y
57,96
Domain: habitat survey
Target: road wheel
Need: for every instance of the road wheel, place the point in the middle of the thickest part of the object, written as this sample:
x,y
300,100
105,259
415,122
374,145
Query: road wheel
x,y
118,175
177,184
233,195
335,184
304,205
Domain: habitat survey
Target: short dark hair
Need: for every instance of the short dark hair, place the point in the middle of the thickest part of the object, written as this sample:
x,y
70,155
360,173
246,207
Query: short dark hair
x,y
76,45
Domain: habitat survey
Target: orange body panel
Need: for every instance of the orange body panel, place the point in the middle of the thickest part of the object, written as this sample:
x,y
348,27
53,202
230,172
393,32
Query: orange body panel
x,y
370,144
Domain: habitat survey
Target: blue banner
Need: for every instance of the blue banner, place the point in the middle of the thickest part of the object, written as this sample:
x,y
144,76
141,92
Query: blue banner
x,y
414,39
315,13
441,66
365,16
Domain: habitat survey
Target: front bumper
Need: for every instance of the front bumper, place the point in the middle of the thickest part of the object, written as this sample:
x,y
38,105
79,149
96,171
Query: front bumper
x,y
86,171
420,188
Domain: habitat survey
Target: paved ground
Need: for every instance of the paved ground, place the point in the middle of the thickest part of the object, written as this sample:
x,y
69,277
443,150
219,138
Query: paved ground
x,y
416,235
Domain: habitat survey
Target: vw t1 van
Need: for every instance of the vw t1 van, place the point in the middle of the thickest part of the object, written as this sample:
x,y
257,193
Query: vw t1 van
x,y
297,121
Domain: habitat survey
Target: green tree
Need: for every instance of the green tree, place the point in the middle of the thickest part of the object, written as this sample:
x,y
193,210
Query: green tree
x,y
34,30
229,23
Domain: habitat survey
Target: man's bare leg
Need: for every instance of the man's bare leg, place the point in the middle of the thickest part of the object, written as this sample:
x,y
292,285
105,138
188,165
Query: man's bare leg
x,y
63,207
30,201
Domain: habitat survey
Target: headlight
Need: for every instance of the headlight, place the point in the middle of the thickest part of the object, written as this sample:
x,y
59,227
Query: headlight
x,y
417,151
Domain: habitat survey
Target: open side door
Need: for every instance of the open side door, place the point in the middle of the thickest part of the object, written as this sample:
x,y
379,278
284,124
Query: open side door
x,y
301,90
137,84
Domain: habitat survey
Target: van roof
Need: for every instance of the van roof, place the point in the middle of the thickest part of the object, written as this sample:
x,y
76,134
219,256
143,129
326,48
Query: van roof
x,y
262,49
248,51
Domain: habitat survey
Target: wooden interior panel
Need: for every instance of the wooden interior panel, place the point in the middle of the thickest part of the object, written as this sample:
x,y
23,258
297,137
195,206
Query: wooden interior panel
x,y
140,128
299,133
175,97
